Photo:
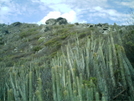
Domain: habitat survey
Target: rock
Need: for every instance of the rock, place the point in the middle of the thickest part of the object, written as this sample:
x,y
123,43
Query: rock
x,y
1,41
76,23
58,21
92,25
3,25
101,31
4,32
46,28
100,25
16,24
105,24
105,32
41,38
51,22
105,28
83,25
123,29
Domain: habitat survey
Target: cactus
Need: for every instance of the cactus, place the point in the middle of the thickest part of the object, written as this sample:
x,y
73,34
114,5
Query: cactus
x,y
10,95
30,86
80,67
38,94
85,71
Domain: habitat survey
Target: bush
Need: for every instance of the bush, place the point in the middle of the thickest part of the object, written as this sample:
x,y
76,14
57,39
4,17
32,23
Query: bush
x,y
36,48
28,32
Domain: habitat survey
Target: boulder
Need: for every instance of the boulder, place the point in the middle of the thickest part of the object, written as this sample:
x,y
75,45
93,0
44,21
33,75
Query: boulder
x,y
83,25
46,28
76,23
91,25
51,22
105,28
105,24
99,25
3,25
16,24
4,31
58,21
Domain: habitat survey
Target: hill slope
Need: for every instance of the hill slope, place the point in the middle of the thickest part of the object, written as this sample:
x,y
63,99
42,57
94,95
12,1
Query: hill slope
x,y
72,62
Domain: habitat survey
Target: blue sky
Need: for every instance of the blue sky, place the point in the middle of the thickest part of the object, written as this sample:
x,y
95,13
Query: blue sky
x,y
83,11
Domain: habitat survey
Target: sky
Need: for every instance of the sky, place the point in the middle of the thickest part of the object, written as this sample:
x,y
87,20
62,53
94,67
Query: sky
x,y
82,11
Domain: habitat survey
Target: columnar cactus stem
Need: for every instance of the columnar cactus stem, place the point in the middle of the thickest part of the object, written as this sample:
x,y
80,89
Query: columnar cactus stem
x,y
38,94
79,89
39,89
54,84
30,86
121,66
69,62
70,86
111,66
97,98
10,95
58,84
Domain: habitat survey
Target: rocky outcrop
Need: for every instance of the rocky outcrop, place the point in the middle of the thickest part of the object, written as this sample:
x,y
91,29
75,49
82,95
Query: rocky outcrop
x,y
51,22
103,28
61,21
16,24
58,21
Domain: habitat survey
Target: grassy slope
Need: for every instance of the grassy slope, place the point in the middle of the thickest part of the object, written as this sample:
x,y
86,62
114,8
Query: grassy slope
x,y
26,40
28,46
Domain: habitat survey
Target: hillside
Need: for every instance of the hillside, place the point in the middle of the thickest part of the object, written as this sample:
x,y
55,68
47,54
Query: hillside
x,y
66,62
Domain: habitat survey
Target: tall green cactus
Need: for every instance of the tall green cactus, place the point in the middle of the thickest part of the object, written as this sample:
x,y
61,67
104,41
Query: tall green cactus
x,y
10,95
85,71
81,64
30,86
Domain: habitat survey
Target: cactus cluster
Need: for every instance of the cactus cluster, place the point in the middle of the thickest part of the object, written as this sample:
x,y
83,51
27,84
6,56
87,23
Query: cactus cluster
x,y
90,69
93,72
25,84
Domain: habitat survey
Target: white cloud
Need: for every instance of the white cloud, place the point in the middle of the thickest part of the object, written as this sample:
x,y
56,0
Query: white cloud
x,y
129,4
108,12
84,4
64,5
4,1
48,2
70,16
51,1
4,11
112,14
61,7
98,8
8,11
56,5
35,0
72,10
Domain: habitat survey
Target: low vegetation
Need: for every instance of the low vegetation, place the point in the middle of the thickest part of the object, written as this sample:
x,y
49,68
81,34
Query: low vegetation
x,y
66,63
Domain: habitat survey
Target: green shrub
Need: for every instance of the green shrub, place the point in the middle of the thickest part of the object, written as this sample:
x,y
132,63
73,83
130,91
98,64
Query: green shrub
x,y
36,48
41,40
23,34
28,32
